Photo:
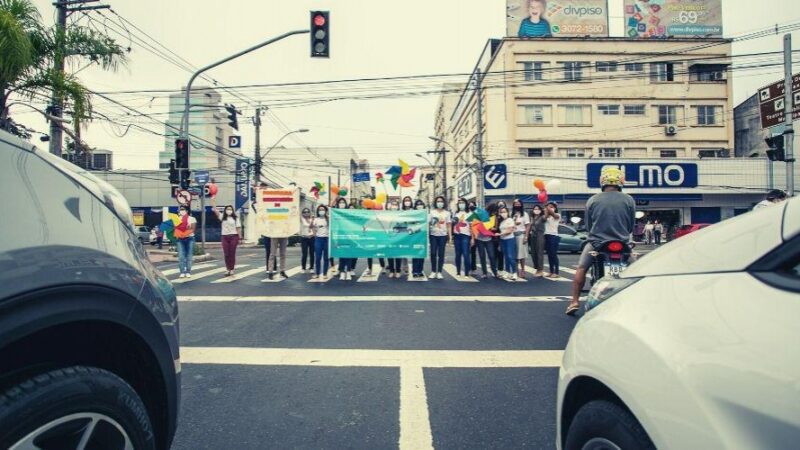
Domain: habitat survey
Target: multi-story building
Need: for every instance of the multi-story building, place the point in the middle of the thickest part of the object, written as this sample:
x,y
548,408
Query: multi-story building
x,y
561,108
445,153
209,128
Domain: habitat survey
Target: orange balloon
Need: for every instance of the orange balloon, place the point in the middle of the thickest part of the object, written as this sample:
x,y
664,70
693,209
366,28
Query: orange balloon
x,y
365,203
539,184
378,206
335,190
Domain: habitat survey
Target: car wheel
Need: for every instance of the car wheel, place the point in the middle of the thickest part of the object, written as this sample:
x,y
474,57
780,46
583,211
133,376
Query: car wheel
x,y
602,425
75,407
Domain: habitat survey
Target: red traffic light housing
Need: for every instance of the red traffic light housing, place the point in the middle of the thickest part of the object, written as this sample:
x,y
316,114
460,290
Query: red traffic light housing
x,y
320,36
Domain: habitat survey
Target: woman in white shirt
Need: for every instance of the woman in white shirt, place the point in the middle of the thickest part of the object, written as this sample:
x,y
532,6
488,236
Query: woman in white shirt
x,y
306,241
462,235
231,230
320,226
508,243
551,237
523,227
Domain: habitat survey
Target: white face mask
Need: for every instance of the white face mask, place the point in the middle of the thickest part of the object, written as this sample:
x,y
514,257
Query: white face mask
x,y
439,205
320,213
504,215
461,206
407,203
537,212
420,207
229,212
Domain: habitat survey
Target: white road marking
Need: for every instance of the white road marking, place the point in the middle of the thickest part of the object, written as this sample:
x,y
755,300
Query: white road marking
x,y
277,278
560,278
207,273
415,425
376,274
370,358
169,272
532,272
568,270
385,298
240,275
321,278
451,270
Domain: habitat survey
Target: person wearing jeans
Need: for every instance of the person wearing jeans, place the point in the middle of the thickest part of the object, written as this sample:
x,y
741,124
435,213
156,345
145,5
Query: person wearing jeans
x,y
508,242
306,241
462,238
439,220
418,264
184,233
551,237
319,226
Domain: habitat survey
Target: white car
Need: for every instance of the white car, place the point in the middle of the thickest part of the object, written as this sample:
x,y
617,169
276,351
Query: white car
x,y
696,346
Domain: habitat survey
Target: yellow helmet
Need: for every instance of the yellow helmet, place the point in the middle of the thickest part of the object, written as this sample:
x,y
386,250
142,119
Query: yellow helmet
x,y
612,176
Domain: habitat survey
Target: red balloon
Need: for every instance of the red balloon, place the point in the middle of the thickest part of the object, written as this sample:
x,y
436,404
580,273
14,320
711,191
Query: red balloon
x,y
212,189
542,196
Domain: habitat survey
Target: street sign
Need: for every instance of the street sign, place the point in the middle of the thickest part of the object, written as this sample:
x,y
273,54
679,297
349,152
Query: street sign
x,y
234,142
494,176
183,197
242,183
464,185
201,177
772,102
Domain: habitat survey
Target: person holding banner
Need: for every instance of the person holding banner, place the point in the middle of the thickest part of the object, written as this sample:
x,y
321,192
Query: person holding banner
x,y
439,220
353,261
307,240
418,264
320,227
407,204
462,238
344,263
394,263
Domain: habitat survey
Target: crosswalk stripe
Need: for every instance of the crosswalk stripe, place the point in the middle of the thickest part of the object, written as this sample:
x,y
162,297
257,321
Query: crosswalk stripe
x,y
366,298
169,272
207,273
451,270
364,278
240,275
277,278
532,272
568,270
321,278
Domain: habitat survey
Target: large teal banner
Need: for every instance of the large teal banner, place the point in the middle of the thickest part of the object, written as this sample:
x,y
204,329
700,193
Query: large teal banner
x,y
362,233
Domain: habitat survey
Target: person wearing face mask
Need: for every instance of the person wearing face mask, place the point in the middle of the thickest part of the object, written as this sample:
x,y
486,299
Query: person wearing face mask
x,y
439,220
536,240
551,237
485,246
344,263
393,263
498,248
351,265
418,264
320,228
509,243
406,205
473,247
231,230
523,227
306,241
184,233
462,237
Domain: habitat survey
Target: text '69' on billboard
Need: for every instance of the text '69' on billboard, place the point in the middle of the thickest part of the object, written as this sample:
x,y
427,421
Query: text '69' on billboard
x,y
556,18
673,18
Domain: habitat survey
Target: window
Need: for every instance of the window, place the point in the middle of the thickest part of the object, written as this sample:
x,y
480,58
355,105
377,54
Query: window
x,y
578,152
634,67
608,110
669,153
713,153
606,66
707,73
573,71
163,165
634,110
610,152
537,152
706,115
667,115
535,115
662,72
576,115
534,71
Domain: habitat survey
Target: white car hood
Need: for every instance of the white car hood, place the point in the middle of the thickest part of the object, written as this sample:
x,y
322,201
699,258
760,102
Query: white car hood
x,y
729,246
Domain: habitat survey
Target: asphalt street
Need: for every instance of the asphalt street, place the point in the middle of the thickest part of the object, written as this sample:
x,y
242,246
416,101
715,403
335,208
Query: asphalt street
x,y
369,363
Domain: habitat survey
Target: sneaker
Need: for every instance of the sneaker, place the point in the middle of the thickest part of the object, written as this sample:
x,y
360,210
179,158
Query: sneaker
x,y
369,273
484,276
432,275
189,275
314,277
513,277
348,277
439,276
341,276
352,273
271,275
283,274
181,275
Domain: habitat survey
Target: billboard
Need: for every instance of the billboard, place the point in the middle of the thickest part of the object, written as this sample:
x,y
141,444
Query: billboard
x,y
364,233
277,212
556,18
673,18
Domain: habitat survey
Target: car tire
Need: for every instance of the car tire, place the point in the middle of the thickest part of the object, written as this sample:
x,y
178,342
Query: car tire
x,y
601,424
54,410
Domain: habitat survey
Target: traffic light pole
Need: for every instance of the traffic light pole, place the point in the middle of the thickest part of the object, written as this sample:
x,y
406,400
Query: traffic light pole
x,y
788,132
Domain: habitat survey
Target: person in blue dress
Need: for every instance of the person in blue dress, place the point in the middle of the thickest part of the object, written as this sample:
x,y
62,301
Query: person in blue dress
x,y
535,25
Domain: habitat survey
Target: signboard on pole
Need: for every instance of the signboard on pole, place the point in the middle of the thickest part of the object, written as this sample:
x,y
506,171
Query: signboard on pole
x,y
234,142
241,183
556,18
363,233
673,18
201,177
362,188
277,212
772,102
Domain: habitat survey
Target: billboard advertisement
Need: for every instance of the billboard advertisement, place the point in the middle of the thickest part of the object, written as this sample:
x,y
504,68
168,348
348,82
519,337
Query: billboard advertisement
x,y
364,233
556,18
673,18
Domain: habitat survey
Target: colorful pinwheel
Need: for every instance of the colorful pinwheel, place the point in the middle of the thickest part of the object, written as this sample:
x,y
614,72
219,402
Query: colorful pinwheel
x,y
318,189
401,175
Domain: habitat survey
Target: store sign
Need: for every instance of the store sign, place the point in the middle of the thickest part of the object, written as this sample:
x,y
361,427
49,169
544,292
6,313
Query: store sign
x,y
556,18
495,176
661,175
673,18
464,185
242,183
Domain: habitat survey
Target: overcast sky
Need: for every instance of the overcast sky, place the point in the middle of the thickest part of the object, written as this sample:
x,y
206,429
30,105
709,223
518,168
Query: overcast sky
x,y
369,38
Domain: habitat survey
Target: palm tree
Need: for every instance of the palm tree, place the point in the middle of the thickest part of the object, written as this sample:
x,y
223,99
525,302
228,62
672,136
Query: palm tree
x,y
29,50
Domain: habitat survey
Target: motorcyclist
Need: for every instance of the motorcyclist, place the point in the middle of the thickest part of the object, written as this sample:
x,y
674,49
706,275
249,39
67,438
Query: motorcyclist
x,y
610,216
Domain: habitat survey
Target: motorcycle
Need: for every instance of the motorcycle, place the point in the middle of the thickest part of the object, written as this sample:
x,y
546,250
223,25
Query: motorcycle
x,y
610,258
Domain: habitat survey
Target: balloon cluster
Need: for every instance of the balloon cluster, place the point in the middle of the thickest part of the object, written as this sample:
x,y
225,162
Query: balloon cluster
x,y
339,191
376,203
543,187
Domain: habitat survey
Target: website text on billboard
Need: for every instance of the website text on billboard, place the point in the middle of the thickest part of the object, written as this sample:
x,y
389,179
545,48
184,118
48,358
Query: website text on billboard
x,y
556,18
679,18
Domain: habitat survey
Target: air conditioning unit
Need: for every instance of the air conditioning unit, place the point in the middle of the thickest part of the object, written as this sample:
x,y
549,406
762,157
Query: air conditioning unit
x,y
717,76
670,130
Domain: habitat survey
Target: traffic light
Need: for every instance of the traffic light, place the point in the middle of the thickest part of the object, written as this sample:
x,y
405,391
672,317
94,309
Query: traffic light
x,y
174,178
320,38
776,150
232,117
181,153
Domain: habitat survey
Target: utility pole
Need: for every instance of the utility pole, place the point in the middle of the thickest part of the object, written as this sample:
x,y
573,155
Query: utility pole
x,y
257,124
788,133
479,140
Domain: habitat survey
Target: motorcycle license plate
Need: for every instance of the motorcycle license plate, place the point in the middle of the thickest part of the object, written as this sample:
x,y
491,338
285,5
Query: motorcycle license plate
x,y
614,269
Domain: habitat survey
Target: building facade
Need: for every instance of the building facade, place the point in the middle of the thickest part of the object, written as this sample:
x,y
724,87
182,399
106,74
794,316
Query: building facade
x,y
561,109
208,125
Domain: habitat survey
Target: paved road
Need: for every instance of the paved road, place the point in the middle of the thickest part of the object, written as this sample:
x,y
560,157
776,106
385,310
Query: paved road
x,y
368,364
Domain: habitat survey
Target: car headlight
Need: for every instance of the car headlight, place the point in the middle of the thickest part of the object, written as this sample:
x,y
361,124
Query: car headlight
x,y
606,288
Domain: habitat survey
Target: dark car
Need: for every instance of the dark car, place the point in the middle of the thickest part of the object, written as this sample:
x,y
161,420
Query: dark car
x,y
88,327
571,241
683,230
